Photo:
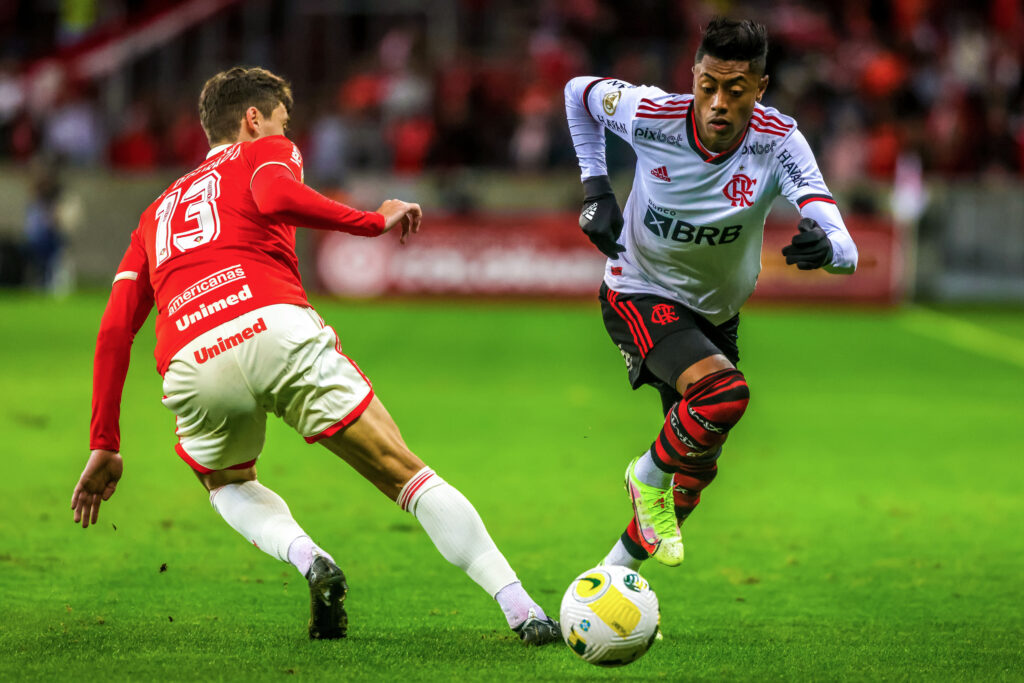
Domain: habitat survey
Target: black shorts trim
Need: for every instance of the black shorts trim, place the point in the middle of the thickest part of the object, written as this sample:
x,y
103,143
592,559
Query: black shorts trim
x,y
660,338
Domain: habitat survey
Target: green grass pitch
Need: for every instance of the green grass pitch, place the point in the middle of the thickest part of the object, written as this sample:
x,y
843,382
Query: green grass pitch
x,y
866,522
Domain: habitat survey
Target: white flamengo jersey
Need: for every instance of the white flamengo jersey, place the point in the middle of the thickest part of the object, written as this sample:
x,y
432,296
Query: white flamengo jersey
x,y
694,221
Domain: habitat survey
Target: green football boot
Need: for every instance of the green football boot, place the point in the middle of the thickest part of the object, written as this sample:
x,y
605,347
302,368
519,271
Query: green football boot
x,y
655,515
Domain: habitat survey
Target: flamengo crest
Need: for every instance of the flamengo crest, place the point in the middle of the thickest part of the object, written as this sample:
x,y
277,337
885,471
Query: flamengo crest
x,y
663,314
740,190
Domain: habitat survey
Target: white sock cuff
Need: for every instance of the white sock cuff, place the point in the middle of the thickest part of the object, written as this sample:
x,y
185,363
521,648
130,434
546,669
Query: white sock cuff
x,y
420,483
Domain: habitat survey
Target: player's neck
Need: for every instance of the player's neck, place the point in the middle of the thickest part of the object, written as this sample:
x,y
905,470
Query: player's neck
x,y
719,146
241,137
217,149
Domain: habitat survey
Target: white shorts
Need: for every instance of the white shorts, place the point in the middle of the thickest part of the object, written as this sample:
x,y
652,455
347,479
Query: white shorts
x,y
280,359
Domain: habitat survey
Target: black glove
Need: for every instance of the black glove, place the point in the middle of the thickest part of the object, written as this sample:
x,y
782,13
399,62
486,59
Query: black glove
x,y
601,218
810,247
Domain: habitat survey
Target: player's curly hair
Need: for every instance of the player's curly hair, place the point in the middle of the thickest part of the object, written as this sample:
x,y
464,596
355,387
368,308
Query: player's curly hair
x,y
227,95
735,40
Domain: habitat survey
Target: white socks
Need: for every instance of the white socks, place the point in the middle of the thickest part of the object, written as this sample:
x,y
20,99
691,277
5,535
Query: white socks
x,y
451,522
262,517
618,555
455,527
516,604
647,471
302,551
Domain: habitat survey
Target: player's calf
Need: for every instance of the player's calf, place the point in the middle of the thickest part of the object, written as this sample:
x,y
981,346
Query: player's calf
x,y
694,475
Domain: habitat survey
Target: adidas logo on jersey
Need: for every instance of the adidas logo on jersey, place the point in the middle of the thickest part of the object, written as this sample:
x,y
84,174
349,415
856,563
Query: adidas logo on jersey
x,y
661,173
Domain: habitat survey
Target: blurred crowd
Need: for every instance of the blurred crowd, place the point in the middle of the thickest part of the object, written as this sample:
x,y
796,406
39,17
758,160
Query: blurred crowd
x,y
875,86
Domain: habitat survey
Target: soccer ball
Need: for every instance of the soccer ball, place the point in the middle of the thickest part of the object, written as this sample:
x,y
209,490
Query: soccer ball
x,y
609,615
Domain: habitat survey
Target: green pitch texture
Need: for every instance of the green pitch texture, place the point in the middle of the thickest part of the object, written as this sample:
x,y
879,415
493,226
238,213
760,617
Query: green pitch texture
x,y
866,522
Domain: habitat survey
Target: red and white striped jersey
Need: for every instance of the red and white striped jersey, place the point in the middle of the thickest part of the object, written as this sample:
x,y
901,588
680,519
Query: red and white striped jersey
x,y
694,220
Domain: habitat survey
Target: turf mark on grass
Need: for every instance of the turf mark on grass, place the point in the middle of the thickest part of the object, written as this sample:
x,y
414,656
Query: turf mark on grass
x,y
964,335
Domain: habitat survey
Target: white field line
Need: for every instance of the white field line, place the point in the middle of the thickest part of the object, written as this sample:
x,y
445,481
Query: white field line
x,y
964,335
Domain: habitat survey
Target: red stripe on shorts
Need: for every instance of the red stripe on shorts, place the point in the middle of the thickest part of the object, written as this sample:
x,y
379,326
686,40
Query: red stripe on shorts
x,y
337,347
638,338
640,324
180,450
343,422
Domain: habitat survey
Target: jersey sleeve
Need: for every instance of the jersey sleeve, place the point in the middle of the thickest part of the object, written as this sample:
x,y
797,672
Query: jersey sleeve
x,y
131,299
276,150
593,104
281,198
800,182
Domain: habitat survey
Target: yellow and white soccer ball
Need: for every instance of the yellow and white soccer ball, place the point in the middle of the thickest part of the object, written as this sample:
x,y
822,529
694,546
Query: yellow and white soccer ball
x,y
609,615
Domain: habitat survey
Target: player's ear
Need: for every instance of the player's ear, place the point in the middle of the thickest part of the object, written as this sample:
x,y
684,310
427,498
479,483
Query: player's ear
x,y
762,85
253,119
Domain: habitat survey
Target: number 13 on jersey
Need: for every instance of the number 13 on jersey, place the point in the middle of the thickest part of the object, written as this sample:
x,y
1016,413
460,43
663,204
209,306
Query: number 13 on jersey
x,y
200,223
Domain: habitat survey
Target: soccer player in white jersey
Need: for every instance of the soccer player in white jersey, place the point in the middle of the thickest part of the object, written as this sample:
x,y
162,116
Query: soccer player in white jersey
x,y
237,338
687,253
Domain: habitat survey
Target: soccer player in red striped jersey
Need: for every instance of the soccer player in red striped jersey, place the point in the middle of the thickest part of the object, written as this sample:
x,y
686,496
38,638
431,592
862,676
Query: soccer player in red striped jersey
x,y
687,253
237,338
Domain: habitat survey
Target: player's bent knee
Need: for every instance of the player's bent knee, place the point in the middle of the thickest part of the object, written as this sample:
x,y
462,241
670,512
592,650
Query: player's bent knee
x,y
700,422
717,402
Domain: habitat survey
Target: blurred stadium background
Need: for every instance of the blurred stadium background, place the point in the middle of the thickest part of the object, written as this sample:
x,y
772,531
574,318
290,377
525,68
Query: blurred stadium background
x,y
913,107
867,526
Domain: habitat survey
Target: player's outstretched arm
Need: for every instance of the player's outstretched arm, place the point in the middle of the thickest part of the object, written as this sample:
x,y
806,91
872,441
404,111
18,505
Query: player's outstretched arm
x,y
395,211
280,197
97,484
